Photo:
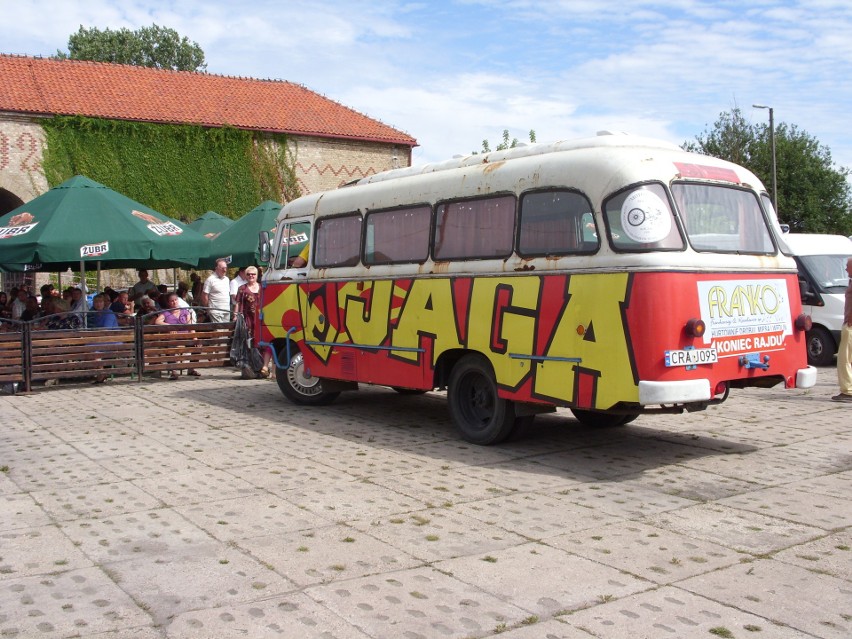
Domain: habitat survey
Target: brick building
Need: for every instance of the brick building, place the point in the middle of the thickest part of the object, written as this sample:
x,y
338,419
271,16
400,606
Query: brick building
x,y
332,143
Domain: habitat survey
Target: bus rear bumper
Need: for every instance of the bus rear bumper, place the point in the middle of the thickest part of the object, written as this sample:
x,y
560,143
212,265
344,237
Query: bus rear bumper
x,y
692,390
806,377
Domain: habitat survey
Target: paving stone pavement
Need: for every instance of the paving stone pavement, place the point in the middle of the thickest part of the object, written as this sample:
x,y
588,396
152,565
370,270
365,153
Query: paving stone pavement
x,y
211,507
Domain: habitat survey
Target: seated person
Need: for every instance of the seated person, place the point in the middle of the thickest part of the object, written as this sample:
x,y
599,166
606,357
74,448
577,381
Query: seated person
x,y
101,316
121,304
58,317
32,311
176,315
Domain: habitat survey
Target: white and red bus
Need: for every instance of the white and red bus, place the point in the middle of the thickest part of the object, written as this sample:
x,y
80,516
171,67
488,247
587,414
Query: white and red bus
x,y
613,275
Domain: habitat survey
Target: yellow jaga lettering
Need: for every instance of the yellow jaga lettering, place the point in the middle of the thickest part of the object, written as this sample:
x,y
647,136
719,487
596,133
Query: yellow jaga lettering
x,y
595,302
367,324
513,328
319,327
273,313
428,310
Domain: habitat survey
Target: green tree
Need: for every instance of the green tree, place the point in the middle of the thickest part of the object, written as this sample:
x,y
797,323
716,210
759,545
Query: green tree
x,y
154,46
814,196
506,144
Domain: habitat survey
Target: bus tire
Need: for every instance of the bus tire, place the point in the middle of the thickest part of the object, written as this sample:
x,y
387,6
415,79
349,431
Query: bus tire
x,y
300,388
480,415
821,347
600,419
521,428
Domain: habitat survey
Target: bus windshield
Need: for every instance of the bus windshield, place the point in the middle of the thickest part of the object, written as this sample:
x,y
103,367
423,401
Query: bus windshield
x,y
722,219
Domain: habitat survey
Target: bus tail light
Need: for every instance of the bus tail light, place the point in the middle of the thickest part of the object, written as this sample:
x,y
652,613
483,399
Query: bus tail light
x,y
721,388
695,327
804,322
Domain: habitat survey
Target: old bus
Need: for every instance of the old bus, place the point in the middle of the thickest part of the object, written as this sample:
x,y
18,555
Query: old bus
x,y
613,275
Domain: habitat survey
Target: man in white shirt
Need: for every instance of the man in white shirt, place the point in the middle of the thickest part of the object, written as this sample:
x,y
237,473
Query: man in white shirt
x,y
19,304
236,283
216,294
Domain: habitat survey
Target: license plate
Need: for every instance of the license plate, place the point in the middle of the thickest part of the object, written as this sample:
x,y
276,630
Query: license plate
x,y
692,357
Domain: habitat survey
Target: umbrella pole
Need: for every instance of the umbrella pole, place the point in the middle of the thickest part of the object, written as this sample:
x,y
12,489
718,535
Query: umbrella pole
x,y
98,284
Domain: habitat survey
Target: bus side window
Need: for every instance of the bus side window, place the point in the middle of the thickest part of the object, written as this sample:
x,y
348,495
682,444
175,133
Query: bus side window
x,y
557,222
479,228
397,236
338,241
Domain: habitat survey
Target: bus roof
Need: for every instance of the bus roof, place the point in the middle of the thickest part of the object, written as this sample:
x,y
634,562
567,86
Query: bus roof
x,y
818,244
594,165
603,139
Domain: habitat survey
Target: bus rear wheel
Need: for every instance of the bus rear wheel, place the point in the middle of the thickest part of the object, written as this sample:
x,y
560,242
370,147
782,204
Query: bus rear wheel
x,y
480,415
299,386
598,419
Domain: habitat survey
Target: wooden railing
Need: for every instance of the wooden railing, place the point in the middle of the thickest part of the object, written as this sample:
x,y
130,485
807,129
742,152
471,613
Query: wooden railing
x,y
31,353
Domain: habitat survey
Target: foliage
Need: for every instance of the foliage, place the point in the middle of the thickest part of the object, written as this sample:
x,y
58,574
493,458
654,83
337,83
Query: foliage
x,y
180,170
506,144
154,46
814,196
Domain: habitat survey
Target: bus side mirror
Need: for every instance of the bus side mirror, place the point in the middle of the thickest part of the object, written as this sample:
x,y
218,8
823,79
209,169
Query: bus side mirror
x,y
263,246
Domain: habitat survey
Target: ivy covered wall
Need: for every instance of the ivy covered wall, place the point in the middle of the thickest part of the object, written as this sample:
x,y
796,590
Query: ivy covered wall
x,y
179,170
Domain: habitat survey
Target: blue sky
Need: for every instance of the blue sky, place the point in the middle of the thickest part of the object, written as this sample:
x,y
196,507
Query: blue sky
x,y
451,73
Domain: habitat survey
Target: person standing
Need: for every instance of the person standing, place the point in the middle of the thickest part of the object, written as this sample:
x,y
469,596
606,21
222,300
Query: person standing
x,y
142,287
844,353
216,294
236,283
248,305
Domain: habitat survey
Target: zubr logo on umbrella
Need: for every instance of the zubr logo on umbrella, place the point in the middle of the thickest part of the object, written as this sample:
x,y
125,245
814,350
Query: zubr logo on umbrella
x,y
18,225
94,250
158,226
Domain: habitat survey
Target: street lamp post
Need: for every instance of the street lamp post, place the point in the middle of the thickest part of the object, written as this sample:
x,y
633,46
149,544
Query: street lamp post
x,y
772,145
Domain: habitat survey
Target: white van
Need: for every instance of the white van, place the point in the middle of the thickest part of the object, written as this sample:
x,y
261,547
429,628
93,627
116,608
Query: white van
x,y
823,280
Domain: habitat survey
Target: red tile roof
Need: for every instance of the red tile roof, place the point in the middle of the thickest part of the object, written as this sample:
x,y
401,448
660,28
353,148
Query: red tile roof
x,y
123,92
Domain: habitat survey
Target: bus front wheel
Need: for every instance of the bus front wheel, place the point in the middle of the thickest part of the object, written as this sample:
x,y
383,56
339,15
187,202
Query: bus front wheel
x,y
299,386
598,419
480,415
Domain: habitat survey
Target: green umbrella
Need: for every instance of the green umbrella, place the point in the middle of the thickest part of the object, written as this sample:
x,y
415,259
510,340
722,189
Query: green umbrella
x,y
83,222
239,242
211,224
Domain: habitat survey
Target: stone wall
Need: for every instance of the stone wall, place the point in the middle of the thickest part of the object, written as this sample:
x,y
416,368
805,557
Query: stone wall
x,y
323,164
21,146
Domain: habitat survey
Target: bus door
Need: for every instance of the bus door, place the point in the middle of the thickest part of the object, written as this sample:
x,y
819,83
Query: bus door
x,y
292,258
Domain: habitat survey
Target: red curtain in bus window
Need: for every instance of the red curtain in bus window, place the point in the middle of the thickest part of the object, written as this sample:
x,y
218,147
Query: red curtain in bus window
x,y
338,241
401,235
475,228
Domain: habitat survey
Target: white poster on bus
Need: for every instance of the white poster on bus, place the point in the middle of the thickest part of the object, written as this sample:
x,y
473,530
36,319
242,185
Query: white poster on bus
x,y
745,316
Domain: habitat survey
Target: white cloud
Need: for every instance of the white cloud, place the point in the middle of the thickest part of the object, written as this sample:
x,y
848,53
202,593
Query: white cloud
x,y
451,73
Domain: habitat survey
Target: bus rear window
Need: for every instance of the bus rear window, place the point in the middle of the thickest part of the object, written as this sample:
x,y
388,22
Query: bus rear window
x,y
640,219
338,241
475,229
556,223
722,219
398,236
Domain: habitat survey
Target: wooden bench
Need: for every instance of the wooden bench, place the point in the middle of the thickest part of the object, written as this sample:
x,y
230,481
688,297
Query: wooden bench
x,y
165,347
81,353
